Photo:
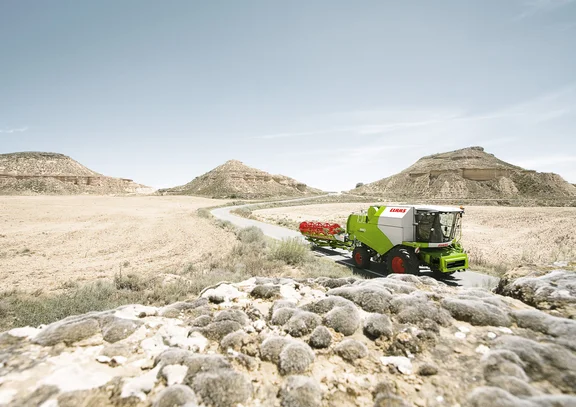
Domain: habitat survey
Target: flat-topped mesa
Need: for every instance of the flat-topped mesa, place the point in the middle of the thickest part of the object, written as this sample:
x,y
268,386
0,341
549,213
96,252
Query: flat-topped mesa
x,y
235,179
470,173
35,172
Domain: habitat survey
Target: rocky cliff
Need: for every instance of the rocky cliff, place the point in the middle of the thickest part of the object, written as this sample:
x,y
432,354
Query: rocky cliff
x,y
471,174
234,179
395,341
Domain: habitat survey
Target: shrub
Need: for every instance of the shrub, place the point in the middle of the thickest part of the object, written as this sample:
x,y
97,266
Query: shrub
x,y
204,213
130,282
251,235
244,212
291,251
225,224
358,185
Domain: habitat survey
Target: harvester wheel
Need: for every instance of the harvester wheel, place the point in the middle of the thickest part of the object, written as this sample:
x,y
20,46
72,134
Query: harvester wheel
x,y
402,260
361,257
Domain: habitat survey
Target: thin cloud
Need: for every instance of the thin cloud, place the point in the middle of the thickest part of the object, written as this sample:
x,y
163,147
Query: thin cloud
x,y
389,127
14,130
540,6
302,133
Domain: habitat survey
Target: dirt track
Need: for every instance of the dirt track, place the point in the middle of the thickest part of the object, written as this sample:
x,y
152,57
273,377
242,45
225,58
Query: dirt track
x,y
48,241
491,234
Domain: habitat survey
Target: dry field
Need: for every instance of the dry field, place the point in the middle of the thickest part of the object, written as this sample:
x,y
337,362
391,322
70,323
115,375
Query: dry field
x,y
495,237
49,242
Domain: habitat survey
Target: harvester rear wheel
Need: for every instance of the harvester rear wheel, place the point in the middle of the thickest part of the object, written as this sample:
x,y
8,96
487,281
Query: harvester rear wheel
x,y
402,260
361,257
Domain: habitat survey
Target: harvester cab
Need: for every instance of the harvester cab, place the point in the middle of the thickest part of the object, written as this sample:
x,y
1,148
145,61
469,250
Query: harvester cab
x,y
404,237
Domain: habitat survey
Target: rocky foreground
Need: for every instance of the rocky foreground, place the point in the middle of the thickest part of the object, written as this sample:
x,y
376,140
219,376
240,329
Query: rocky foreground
x,y
395,341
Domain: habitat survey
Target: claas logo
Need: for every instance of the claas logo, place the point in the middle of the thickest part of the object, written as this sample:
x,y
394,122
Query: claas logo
x,y
398,210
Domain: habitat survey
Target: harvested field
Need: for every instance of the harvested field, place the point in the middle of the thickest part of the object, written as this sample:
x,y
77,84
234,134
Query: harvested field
x,y
47,242
496,238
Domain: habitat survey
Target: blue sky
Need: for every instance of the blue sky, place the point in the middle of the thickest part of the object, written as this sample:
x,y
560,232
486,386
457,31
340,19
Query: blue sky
x,y
328,92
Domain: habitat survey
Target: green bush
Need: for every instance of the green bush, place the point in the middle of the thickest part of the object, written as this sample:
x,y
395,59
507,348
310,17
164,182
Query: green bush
x,y
291,251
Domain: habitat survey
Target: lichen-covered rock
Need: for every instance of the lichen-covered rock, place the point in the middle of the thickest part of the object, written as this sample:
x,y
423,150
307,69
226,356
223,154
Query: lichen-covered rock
x,y
214,351
176,396
325,305
302,323
271,347
502,363
351,349
218,330
538,321
427,369
235,315
116,349
416,308
282,315
240,341
201,321
496,397
370,299
266,291
295,358
68,331
550,362
378,325
553,291
194,362
222,388
281,304
234,340
320,338
300,391
115,329
345,320
476,312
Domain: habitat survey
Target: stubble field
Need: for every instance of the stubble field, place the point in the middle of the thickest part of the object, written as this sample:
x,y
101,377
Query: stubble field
x,y
49,242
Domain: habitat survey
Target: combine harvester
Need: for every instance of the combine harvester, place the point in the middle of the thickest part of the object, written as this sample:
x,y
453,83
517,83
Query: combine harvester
x,y
404,237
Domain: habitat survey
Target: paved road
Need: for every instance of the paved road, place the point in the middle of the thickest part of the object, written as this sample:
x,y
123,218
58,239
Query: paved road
x,y
463,279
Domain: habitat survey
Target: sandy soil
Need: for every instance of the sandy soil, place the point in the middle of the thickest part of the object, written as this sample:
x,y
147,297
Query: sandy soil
x,y
46,241
491,234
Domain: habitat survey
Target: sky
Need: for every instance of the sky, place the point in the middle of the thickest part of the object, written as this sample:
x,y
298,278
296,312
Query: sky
x,y
328,92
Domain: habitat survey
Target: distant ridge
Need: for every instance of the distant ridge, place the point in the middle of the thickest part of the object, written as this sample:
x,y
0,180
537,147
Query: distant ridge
x,y
234,179
471,174
46,173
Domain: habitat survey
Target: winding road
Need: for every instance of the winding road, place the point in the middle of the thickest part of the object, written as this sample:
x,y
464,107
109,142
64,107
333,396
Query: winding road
x,y
462,279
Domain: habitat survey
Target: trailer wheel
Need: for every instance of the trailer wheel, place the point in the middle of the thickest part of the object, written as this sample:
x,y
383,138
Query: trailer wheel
x,y
402,260
361,257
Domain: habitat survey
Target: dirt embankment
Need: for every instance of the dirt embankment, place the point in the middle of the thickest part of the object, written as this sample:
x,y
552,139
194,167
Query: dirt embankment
x,y
48,241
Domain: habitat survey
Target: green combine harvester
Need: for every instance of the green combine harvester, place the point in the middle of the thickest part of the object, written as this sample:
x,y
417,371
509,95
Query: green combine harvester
x,y
404,237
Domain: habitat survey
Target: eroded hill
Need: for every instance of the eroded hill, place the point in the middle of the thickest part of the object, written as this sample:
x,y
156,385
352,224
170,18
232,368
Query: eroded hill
x,y
472,174
234,179
44,173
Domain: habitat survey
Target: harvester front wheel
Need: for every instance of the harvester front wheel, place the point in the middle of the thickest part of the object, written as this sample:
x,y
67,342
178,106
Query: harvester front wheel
x,y
361,257
402,260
